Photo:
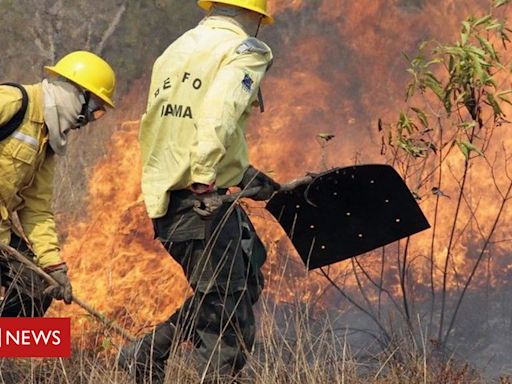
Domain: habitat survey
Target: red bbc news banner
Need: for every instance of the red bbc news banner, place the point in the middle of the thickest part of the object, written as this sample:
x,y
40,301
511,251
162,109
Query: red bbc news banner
x,y
35,337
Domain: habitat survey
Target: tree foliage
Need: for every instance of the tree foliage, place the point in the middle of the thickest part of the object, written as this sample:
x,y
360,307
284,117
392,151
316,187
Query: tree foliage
x,y
463,78
449,134
456,99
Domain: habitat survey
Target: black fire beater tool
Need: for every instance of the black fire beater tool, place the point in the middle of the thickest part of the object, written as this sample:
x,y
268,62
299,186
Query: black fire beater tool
x,y
344,212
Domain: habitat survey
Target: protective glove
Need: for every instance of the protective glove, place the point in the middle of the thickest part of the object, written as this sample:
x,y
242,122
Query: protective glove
x,y
208,201
200,189
63,291
254,178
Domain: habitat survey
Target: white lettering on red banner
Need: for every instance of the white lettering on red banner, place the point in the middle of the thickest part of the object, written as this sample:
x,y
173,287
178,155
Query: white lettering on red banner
x,y
35,337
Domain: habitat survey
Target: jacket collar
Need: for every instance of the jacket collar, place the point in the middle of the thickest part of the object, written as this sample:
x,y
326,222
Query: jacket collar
x,y
224,23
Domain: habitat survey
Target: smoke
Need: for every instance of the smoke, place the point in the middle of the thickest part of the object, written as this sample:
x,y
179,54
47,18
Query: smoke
x,y
339,66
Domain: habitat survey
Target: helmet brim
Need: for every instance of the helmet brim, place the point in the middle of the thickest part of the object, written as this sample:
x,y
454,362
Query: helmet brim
x,y
207,5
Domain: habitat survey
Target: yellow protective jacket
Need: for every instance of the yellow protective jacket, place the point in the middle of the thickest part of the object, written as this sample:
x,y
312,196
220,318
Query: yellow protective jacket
x,y
26,175
203,88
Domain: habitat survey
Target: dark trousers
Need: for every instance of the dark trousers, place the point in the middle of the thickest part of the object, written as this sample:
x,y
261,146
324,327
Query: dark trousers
x,y
218,319
22,289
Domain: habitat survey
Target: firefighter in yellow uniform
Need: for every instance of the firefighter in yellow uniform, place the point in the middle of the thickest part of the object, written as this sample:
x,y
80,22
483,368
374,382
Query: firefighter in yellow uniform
x,y
192,136
35,121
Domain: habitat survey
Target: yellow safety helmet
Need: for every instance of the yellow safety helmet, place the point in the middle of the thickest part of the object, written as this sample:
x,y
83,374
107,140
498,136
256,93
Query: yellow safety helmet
x,y
89,71
259,6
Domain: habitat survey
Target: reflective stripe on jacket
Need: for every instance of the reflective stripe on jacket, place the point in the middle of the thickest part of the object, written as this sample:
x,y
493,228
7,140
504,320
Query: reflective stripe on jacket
x,y
26,175
203,88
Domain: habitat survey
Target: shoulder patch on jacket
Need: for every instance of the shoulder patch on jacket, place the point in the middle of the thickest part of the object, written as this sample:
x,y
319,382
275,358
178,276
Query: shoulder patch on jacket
x,y
253,45
247,83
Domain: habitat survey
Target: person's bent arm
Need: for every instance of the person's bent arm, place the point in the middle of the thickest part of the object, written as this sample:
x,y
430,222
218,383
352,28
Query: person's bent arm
x,y
37,218
229,96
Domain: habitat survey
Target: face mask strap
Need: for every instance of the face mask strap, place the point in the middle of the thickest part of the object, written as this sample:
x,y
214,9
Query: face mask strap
x,y
259,26
83,118
89,107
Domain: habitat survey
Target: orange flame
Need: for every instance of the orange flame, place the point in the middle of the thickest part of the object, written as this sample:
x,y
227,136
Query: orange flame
x,y
338,76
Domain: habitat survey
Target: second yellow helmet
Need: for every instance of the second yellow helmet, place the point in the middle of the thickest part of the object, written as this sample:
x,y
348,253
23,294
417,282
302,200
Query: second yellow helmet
x,y
89,71
259,6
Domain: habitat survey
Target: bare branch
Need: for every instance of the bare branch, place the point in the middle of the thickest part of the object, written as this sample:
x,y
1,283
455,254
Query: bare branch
x,y
475,267
111,28
357,305
379,286
37,33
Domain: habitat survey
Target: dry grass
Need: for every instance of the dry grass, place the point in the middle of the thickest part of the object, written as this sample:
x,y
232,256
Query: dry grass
x,y
291,348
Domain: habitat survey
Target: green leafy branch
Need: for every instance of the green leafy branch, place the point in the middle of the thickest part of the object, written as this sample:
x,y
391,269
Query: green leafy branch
x,y
462,78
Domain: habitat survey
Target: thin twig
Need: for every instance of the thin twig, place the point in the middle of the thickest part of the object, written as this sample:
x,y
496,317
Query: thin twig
x,y
451,239
358,306
475,267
